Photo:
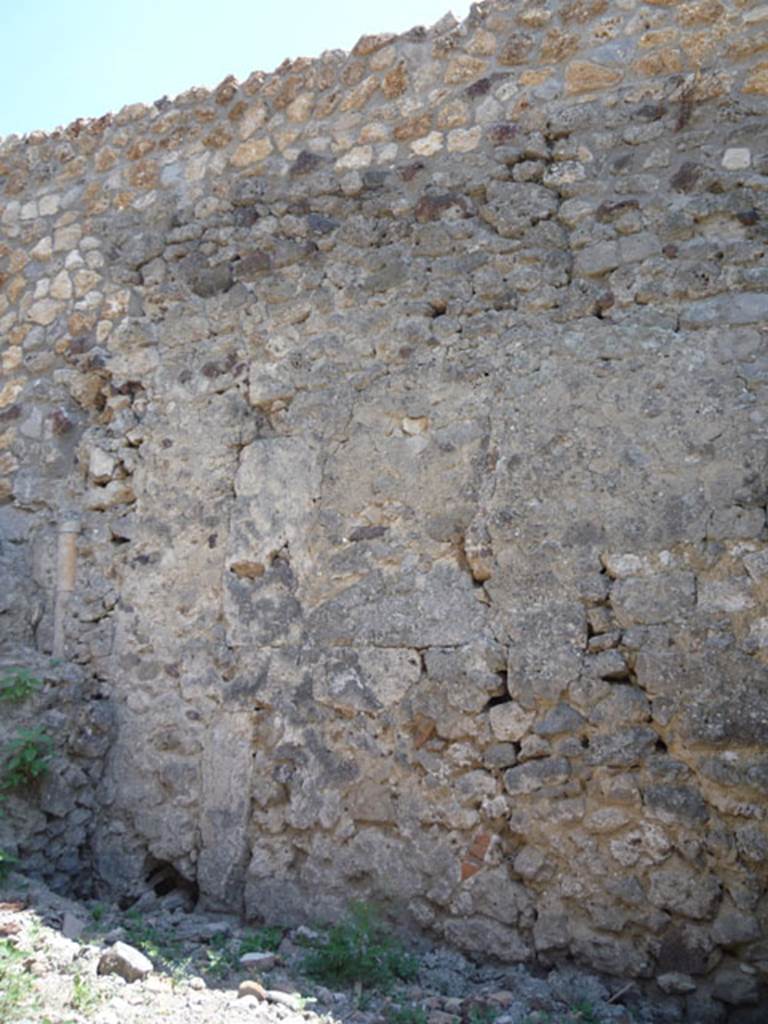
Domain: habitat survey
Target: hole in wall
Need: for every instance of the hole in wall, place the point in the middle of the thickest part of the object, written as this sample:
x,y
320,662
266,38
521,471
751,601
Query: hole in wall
x,y
502,698
163,878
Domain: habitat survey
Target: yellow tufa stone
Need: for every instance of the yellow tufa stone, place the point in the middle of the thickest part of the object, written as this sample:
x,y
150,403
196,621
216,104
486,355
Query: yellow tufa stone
x,y
8,464
482,44
144,174
584,76
535,77
105,159
395,82
7,438
534,18
10,392
382,58
300,109
558,45
462,140
360,95
515,49
413,127
660,62
753,41
370,44
251,152
11,359
15,288
464,69
253,118
453,115
699,46
757,80
428,144
704,12
374,132
355,159
658,37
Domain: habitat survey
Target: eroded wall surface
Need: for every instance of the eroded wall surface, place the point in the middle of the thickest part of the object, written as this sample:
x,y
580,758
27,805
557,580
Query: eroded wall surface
x,y
413,405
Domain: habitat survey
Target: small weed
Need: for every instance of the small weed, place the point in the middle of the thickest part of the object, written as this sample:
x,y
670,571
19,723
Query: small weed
x,y
305,1002
16,990
8,862
482,1014
406,1015
27,755
18,684
163,949
27,758
97,912
222,958
265,940
358,951
584,1013
85,997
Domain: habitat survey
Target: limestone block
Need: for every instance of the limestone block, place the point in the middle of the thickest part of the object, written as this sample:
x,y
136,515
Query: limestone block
x,y
510,722
365,678
664,597
45,311
227,767
403,609
126,961
276,485
101,465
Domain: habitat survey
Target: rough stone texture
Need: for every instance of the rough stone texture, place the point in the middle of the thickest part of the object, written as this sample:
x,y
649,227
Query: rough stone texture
x,y
126,961
413,403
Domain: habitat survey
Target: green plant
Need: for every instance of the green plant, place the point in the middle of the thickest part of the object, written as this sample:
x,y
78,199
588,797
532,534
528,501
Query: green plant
x,y
27,757
407,1015
584,1013
304,1002
17,684
221,957
481,1013
8,862
164,949
265,940
358,951
85,997
16,987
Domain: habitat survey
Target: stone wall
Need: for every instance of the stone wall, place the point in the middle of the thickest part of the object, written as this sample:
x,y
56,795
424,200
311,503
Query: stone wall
x,y
412,402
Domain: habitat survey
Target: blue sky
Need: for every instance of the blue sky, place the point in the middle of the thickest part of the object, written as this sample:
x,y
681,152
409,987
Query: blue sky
x,y
64,59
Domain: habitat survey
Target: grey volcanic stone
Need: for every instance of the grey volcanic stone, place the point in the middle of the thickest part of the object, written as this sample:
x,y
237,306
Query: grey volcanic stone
x,y
748,308
736,988
682,889
526,778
